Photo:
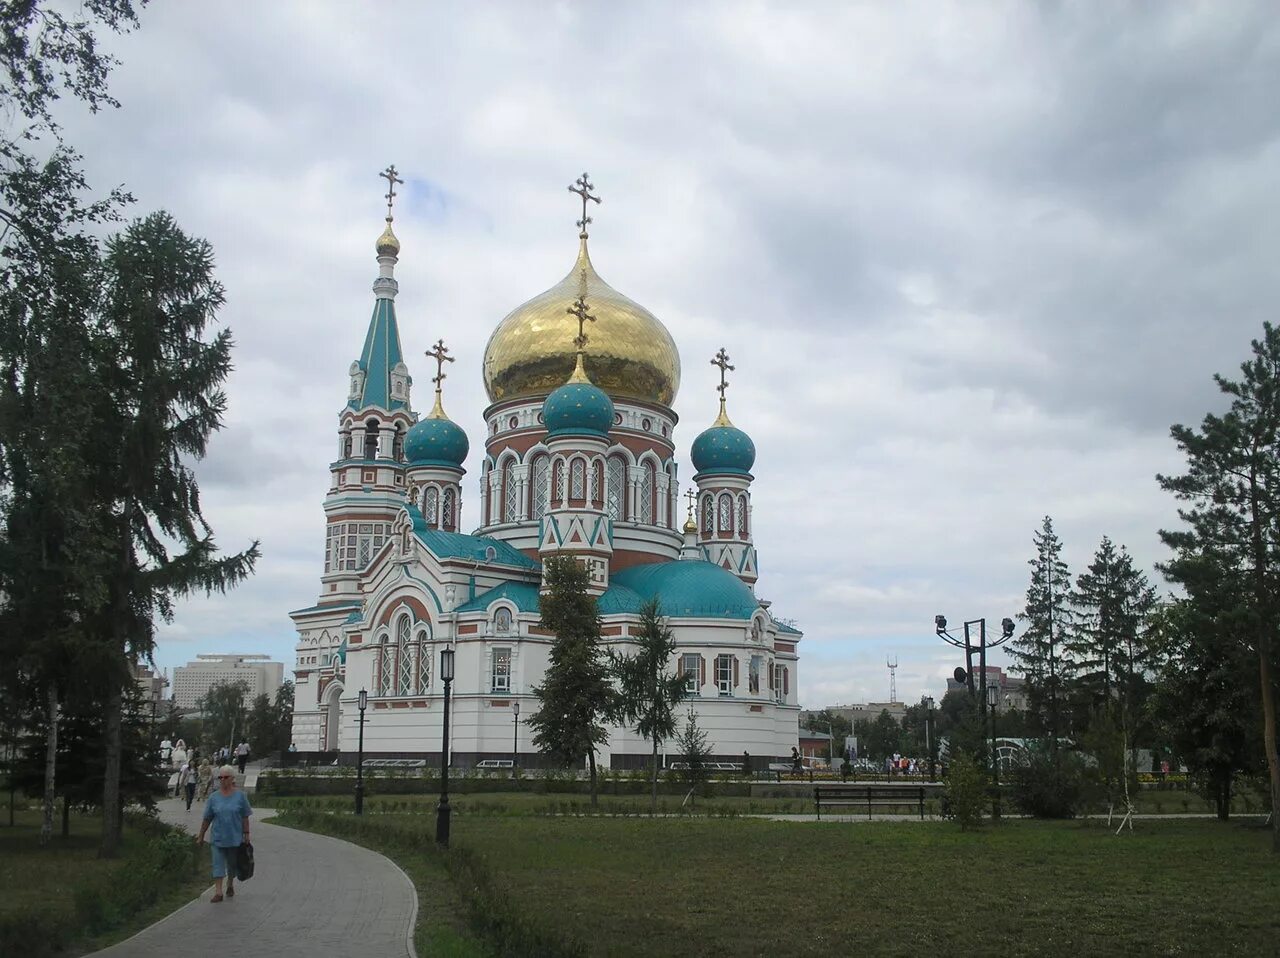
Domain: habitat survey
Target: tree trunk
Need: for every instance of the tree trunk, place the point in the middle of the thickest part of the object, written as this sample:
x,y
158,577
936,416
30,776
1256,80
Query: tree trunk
x,y
66,817
591,761
1269,736
653,808
50,767
111,775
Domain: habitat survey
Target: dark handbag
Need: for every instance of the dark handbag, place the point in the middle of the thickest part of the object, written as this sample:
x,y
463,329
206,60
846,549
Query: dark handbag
x,y
244,862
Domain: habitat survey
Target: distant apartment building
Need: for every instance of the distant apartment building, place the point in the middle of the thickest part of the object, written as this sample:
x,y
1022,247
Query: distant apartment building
x,y
193,680
869,711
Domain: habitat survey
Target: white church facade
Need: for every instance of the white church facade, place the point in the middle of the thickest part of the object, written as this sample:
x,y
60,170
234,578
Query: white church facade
x,y
579,458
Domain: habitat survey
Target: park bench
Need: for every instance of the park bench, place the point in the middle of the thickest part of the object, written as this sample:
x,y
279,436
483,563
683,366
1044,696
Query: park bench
x,y
868,797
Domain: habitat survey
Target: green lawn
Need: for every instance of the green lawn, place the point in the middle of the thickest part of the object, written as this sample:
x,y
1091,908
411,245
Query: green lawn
x,y
40,885
625,886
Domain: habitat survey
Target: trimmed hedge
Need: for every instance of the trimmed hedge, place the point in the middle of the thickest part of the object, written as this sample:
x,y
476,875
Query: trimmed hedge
x,y
285,784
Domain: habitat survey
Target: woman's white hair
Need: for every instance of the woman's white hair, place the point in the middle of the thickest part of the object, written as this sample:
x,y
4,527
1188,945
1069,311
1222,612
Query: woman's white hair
x,y
227,770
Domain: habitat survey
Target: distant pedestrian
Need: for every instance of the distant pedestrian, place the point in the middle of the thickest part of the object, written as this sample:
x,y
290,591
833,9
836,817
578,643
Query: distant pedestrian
x,y
242,755
796,763
189,783
228,811
204,778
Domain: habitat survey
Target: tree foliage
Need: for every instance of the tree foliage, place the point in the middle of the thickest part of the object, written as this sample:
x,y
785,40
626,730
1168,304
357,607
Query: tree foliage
x,y
575,695
695,752
649,689
1231,510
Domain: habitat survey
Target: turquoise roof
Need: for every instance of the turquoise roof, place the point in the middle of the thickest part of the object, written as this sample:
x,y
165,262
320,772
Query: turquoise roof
x,y
456,545
786,629
723,449
522,595
578,409
329,607
690,588
380,355
436,442
619,600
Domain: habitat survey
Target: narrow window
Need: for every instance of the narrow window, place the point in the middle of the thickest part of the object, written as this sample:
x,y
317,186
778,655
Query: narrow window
x,y
501,670
405,654
511,494
447,510
541,486
753,675
645,495
430,503
424,663
708,516
726,513
724,674
371,441
742,516
384,668
616,488
578,480
689,668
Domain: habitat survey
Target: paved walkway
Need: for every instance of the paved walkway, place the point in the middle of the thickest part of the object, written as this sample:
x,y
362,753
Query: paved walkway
x,y
311,896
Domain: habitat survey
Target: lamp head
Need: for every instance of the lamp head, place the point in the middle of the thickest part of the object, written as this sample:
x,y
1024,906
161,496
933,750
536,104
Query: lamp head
x,y
515,708
940,623
363,699
1006,627
927,701
446,664
993,695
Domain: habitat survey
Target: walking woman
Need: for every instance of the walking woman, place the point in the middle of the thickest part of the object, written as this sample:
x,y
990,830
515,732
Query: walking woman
x,y
204,778
228,810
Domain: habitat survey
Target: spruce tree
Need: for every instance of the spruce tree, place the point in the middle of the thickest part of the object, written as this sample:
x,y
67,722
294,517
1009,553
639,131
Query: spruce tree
x,y
575,695
696,752
1037,651
166,402
648,688
1231,496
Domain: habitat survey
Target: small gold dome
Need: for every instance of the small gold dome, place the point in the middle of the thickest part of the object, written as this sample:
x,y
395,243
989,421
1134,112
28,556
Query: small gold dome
x,y
387,244
629,352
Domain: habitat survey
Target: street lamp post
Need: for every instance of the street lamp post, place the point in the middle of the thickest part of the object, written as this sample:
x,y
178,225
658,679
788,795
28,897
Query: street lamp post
x,y
515,739
970,650
362,702
442,811
928,739
993,699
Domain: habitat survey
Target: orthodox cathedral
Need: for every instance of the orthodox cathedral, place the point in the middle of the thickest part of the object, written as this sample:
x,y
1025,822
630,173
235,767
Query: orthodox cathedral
x,y
580,459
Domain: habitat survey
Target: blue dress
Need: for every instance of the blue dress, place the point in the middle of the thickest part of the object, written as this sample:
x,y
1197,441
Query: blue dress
x,y
227,813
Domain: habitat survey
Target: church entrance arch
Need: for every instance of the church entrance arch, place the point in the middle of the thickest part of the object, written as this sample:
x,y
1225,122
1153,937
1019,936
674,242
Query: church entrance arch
x,y
332,717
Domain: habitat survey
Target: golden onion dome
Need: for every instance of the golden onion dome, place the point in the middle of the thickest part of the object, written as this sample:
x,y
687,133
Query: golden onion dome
x,y
629,354
387,244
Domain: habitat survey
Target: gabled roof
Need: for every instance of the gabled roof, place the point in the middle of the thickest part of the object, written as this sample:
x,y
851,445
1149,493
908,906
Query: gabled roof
x,y
330,607
523,595
457,545
380,355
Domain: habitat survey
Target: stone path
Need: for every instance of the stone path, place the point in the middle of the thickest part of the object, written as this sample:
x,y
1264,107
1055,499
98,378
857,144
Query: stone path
x,y
311,896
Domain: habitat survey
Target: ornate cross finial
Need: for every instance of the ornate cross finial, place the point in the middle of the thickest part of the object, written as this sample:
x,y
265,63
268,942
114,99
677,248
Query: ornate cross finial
x,y
583,187
440,353
579,310
692,495
389,174
722,360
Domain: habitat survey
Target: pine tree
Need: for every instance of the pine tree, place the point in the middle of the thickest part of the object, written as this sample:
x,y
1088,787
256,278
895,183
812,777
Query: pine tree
x,y
695,751
648,689
1232,493
167,401
1037,651
575,695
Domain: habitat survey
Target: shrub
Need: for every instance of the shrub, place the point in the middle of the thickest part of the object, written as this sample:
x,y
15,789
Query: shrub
x,y
1047,788
966,791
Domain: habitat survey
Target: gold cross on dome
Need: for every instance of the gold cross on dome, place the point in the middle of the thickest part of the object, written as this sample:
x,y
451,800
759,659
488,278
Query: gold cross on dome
x,y
579,310
389,174
583,187
692,495
722,360
440,353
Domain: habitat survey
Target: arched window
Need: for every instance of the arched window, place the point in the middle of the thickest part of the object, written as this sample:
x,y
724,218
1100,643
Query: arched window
x,y
385,653
371,440
430,504
447,510
644,494
510,493
559,481
346,446
708,516
726,513
502,621
593,490
541,486
404,653
424,661
578,479
742,516
616,491
397,445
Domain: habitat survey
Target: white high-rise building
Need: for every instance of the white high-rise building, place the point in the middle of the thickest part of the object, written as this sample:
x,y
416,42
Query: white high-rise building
x,y
193,680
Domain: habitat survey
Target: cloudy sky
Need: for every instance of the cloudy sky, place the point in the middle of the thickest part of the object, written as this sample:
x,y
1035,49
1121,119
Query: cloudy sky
x,y
970,261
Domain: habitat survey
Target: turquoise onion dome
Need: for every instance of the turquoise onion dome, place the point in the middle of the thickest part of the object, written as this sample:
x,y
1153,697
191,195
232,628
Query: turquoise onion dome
x,y
578,408
723,448
436,441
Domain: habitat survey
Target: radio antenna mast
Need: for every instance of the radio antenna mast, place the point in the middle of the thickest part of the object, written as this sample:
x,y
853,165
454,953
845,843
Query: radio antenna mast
x,y
892,662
